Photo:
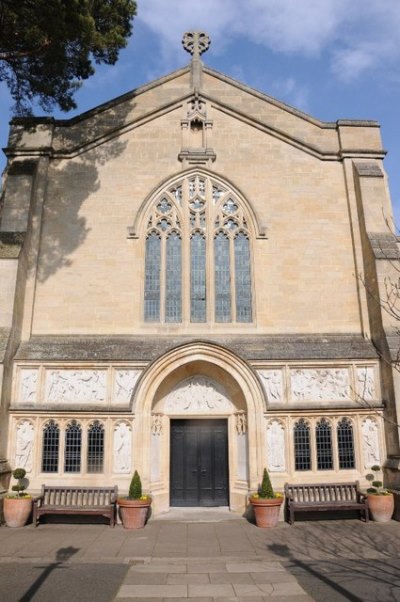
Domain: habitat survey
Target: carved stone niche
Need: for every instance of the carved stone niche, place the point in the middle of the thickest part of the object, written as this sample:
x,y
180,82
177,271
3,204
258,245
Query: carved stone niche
x,y
370,442
276,446
196,135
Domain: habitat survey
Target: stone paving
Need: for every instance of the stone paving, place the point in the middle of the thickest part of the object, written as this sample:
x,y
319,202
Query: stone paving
x,y
215,557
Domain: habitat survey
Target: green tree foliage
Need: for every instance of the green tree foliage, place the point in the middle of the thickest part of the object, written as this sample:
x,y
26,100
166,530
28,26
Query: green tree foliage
x,y
135,489
48,47
266,490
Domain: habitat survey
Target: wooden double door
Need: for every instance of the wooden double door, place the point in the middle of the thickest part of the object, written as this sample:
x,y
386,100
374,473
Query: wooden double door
x,y
199,463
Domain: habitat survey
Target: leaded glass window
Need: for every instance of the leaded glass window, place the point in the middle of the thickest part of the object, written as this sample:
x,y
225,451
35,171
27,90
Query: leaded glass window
x,y
323,441
73,445
302,447
222,278
198,278
95,447
50,448
197,240
345,442
152,278
173,281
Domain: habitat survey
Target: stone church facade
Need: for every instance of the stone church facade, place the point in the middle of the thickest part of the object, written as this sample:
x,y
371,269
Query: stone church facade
x,y
192,278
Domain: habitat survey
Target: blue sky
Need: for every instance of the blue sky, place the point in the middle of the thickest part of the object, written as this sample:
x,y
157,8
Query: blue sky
x,y
333,59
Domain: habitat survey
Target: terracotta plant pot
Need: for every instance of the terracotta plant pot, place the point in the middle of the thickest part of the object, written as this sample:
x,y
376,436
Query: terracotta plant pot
x,y
133,512
266,511
17,510
381,507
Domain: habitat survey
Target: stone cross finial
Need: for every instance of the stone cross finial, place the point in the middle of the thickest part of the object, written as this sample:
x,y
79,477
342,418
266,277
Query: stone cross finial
x,y
196,42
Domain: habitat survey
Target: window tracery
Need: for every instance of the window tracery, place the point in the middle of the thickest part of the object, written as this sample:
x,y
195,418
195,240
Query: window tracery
x,y
202,220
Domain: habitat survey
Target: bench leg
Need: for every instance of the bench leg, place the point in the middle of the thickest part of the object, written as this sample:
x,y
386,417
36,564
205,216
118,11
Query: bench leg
x,y
291,521
366,514
34,516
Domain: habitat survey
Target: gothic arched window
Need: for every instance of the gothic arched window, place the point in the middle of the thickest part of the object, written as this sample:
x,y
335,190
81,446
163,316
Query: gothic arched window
x,y
73,445
323,443
302,447
95,447
50,447
198,257
345,441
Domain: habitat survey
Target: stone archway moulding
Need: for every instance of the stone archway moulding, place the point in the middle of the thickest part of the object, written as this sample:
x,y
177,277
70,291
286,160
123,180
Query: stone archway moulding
x,y
240,372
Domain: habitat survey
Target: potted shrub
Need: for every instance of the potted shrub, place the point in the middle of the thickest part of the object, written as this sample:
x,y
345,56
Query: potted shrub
x,y
134,507
266,503
17,507
380,500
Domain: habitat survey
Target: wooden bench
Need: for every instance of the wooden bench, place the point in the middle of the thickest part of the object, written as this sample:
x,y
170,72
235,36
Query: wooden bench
x,y
101,501
324,496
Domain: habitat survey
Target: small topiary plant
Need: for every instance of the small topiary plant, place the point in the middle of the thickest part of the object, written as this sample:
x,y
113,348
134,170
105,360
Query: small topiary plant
x,y
135,489
266,491
377,486
19,475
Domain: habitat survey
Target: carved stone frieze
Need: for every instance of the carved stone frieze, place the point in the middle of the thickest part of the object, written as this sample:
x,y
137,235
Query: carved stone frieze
x,y
198,395
320,384
75,386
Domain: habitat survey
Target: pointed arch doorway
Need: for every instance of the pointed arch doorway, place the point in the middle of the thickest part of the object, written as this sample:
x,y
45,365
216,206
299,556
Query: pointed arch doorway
x,y
199,474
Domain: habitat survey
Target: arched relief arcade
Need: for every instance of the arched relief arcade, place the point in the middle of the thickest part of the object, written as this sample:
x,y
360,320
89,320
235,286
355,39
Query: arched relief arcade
x,y
199,410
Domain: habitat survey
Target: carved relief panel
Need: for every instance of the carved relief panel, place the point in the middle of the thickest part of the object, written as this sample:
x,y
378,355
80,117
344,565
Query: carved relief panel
x,y
24,445
122,448
28,385
370,442
365,385
276,446
320,384
75,386
124,383
198,395
272,382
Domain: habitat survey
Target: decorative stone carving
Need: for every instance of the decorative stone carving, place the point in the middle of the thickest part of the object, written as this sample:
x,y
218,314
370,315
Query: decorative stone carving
x,y
28,385
276,446
272,382
196,42
198,395
241,423
124,384
24,445
370,442
122,448
322,384
76,385
156,424
366,383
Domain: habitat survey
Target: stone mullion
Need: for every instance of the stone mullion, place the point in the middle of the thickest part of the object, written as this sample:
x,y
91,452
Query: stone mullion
x,y
335,447
163,260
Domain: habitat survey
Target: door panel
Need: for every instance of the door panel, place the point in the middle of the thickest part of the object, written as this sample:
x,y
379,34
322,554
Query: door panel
x,y
199,463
